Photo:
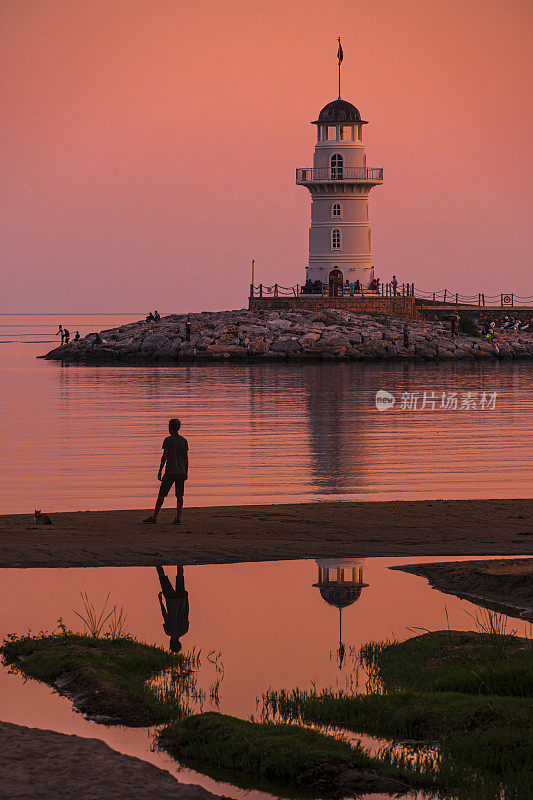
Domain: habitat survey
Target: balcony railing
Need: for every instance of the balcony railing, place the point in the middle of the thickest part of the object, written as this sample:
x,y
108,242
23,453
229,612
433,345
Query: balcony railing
x,y
310,175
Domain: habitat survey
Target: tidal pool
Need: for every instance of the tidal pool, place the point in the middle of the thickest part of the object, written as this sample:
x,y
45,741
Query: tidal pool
x,y
254,626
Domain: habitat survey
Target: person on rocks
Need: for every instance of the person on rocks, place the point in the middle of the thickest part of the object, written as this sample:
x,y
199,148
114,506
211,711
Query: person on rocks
x,y
61,332
157,316
174,603
175,460
150,317
188,330
453,325
77,336
66,337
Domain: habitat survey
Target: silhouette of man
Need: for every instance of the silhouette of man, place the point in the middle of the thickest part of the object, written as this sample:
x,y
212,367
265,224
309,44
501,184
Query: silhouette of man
x,y
174,607
61,332
175,459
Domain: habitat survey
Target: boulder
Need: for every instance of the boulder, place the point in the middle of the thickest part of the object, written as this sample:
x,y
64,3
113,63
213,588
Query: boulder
x,y
285,344
308,339
279,324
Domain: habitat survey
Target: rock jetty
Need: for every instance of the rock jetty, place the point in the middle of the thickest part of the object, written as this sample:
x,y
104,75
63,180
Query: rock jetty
x,y
328,335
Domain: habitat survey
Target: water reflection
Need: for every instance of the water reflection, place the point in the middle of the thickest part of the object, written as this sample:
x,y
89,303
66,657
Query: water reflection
x,y
257,433
340,582
174,604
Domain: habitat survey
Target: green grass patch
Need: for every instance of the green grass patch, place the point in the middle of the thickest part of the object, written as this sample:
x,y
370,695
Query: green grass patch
x,y
105,677
468,694
453,661
484,742
291,758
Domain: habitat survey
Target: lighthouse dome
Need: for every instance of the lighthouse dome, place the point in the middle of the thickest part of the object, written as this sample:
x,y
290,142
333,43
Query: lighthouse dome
x,y
339,111
340,596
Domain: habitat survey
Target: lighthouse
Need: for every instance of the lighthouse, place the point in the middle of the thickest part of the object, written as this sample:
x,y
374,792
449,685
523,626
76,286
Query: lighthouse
x,y
340,182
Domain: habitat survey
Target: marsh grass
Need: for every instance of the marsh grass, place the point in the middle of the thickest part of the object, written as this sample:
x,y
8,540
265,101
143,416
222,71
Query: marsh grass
x,y
265,755
94,620
105,676
456,708
493,662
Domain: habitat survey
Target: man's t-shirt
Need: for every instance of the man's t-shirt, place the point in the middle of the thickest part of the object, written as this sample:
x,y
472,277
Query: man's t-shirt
x,y
177,621
176,447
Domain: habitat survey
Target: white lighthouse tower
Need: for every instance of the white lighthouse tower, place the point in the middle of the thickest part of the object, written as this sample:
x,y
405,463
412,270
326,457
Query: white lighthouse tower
x,y
340,182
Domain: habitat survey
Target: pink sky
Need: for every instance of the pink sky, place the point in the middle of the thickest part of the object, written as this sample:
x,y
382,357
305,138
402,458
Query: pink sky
x,y
149,146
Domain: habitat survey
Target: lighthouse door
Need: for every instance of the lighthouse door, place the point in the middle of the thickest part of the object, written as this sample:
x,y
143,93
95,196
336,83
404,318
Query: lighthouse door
x,y
335,282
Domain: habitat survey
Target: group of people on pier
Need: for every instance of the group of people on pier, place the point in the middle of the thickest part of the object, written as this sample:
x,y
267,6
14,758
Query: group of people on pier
x,y
65,335
349,288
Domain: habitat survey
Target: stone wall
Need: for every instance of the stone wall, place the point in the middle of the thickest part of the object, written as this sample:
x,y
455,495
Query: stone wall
x,y
374,305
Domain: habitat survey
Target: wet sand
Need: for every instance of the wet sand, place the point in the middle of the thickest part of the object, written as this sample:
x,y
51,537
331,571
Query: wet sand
x,y
228,534
504,585
43,765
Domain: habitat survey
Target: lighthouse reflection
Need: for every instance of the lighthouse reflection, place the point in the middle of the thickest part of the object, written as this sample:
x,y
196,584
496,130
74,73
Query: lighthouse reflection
x,y
334,394
340,582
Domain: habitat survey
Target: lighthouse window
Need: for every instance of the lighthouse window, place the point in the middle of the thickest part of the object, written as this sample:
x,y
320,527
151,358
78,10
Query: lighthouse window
x,y
337,167
336,210
335,239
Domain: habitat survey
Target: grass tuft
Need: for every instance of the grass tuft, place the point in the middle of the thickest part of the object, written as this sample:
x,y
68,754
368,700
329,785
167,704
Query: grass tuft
x,y
106,677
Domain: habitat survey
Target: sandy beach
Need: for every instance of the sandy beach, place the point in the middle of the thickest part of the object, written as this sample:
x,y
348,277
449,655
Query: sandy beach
x,y
504,585
227,534
43,765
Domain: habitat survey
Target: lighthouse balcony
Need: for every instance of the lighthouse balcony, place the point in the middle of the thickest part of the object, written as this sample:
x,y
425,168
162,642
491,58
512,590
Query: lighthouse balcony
x,y
342,174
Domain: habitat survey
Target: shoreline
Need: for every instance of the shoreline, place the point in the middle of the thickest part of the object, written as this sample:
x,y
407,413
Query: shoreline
x,y
502,586
287,335
41,764
232,534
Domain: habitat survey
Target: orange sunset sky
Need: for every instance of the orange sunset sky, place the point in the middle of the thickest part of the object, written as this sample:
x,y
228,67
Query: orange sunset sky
x,y
150,146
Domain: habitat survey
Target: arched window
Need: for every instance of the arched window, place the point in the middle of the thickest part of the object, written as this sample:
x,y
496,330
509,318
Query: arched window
x,y
336,210
335,239
337,167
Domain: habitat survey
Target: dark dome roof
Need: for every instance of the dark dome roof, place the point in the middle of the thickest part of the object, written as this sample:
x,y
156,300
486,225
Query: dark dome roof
x,y
339,111
340,595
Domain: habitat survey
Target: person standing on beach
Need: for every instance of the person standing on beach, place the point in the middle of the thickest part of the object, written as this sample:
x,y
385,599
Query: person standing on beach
x,y
175,460
175,607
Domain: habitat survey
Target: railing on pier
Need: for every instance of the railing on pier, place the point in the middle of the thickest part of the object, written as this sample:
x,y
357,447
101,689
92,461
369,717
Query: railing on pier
x,y
341,173
332,290
444,297
437,299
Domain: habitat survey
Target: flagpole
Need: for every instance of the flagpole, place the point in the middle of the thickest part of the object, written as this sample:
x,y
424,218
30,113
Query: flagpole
x,y
339,56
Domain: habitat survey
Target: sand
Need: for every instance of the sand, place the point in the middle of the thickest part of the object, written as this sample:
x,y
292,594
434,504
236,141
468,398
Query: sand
x,y
503,585
228,534
43,765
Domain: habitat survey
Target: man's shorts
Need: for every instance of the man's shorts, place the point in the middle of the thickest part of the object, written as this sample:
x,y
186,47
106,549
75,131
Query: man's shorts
x,y
166,484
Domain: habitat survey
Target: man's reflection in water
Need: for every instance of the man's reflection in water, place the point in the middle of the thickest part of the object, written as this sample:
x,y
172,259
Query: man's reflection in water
x,y
174,607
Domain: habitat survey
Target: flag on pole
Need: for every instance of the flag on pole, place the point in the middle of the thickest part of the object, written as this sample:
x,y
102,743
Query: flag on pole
x,y
339,52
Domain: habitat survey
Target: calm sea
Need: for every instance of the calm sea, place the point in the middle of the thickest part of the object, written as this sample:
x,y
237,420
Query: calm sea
x,y
85,437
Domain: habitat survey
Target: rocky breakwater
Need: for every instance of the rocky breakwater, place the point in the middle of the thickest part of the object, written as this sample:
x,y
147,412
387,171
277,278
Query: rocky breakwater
x,y
286,335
